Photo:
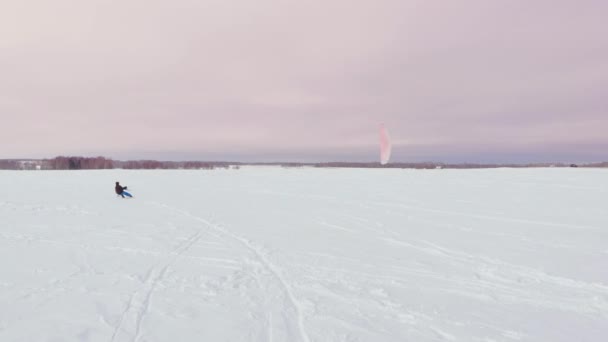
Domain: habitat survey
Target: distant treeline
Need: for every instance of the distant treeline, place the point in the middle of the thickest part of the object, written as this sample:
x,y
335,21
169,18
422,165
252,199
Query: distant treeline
x,y
428,165
431,165
154,164
78,163
99,163
9,165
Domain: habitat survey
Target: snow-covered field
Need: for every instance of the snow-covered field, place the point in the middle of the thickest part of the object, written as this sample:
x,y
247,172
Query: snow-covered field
x,y
272,254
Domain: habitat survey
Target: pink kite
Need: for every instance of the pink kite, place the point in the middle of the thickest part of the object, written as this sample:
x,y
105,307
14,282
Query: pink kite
x,y
385,145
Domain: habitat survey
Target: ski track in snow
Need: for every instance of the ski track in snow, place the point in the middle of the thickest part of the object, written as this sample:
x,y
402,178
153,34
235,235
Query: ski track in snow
x,y
139,303
488,268
491,217
262,257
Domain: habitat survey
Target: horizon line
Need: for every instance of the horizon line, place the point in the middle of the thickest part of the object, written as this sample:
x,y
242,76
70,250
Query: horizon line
x,y
275,162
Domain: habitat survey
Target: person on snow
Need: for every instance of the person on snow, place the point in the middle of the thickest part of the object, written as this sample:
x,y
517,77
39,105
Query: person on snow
x,y
120,190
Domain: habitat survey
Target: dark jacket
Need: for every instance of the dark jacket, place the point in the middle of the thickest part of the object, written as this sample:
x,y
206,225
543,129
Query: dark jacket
x,y
119,189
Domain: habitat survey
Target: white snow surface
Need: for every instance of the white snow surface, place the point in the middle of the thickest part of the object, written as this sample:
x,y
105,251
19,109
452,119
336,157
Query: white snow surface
x,y
304,254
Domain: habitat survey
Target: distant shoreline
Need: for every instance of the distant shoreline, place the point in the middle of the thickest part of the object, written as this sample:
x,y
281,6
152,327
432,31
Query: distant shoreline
x,y
102,163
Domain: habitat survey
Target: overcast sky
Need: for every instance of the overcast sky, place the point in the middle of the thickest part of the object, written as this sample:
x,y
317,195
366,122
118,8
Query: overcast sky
x,y
467,80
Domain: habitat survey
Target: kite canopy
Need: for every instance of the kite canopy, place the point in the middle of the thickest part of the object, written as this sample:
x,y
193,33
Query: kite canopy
x,y
385,145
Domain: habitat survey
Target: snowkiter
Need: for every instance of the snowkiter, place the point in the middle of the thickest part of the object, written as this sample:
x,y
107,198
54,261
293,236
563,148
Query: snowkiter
x,y
120,190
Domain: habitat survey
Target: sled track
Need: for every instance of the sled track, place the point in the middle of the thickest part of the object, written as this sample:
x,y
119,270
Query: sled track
x,y
261,256
139,303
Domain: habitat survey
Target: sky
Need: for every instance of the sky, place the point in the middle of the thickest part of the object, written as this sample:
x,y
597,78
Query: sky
x,y
280,80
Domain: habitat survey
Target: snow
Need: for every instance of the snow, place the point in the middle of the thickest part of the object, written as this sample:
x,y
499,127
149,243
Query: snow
x,y
304,254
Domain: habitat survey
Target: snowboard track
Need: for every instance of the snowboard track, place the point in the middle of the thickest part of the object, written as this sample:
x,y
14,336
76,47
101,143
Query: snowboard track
x,y
261,256
139,302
